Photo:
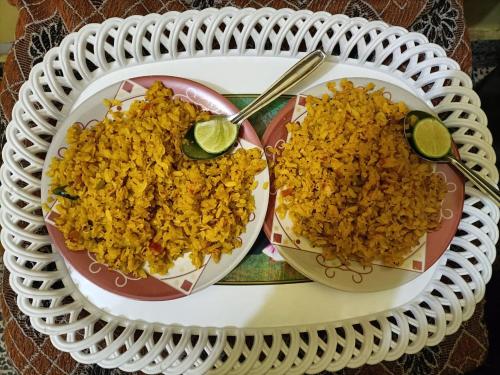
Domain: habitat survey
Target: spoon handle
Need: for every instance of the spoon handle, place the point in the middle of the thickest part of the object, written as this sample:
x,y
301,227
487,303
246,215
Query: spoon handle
x,y
292,76
483,185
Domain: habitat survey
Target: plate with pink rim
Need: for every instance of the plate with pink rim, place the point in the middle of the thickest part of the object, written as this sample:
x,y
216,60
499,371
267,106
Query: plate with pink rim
x,y
354,276
183,278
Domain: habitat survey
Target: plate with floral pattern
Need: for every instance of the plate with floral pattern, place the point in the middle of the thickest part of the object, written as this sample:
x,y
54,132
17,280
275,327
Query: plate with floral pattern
x,y
183,278
353,276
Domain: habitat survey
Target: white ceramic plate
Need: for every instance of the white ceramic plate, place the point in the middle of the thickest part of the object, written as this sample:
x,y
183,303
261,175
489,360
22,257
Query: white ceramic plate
x,y
183,278
355,277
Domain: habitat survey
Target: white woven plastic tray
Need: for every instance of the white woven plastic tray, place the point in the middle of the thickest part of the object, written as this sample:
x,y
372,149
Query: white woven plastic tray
x,y
219,48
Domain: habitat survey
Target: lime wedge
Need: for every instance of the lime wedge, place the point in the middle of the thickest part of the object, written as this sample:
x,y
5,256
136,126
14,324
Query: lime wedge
x,y
215,135
431,138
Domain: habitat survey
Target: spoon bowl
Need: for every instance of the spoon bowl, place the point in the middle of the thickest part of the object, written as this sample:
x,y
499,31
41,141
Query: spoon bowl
x,y
192,149
411,119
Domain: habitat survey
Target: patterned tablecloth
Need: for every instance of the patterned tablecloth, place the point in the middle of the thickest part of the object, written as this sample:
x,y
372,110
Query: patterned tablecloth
x,y
44,23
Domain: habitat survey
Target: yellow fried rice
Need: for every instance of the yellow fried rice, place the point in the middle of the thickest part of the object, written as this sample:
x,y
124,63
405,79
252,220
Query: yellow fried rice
x,y
140,199
349,181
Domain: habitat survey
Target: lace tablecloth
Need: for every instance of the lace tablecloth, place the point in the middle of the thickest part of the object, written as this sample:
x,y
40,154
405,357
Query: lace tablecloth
x,y
44,23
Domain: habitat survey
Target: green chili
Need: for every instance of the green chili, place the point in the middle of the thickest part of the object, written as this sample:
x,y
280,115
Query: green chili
x,y
60,190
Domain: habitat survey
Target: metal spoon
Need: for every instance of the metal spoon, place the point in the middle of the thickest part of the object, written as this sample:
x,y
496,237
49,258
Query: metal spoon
x,y
291,77
411,119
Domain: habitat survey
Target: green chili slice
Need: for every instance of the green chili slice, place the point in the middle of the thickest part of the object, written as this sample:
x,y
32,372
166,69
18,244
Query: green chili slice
x,y
61,191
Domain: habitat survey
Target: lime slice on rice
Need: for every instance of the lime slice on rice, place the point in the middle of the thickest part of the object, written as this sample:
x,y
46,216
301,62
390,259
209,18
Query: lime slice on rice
x,y
431,138
215,135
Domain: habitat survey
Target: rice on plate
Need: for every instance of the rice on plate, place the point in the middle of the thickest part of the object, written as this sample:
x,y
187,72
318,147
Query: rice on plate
x,y
349,181
127,193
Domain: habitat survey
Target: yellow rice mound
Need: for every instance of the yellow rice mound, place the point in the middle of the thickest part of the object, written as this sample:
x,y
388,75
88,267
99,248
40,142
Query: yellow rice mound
x,y
350,182
140,199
